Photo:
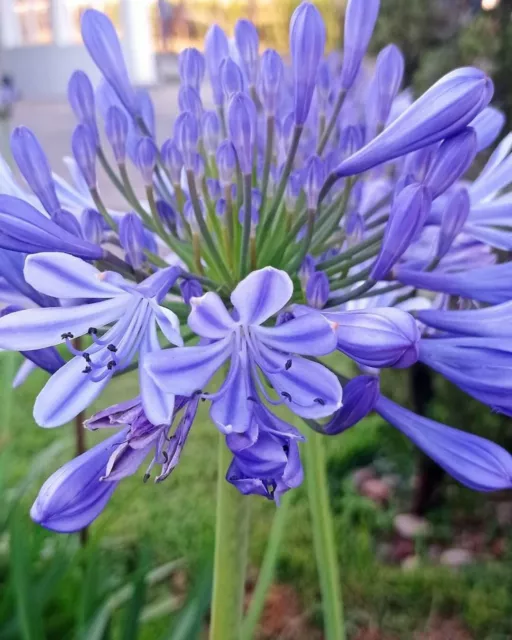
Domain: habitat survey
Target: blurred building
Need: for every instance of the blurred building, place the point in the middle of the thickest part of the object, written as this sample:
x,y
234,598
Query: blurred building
x,y
40,42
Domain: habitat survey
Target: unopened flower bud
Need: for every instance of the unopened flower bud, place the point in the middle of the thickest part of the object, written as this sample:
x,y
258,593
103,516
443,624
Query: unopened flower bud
x,y
83,145
360,19
242,129
359,397
216,49
91,222
247,43
453,219
226,163
307,42
317,290
172,160
132,239
272,71
191,67
116,130
81,99
231,78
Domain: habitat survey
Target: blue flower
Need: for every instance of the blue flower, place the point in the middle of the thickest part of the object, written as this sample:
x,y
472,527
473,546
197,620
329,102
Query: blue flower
x,y
308,388
135,312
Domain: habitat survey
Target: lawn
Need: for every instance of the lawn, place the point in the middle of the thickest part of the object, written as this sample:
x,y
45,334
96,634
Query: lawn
x,y
175,520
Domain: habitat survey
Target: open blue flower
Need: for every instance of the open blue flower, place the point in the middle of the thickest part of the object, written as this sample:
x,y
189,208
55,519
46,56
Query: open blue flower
x,y
308,388
133,309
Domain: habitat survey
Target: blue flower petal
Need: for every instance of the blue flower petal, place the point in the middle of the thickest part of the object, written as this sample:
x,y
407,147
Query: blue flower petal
x,y
261,295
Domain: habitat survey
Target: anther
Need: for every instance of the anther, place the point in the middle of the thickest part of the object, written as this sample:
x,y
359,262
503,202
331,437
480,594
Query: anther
x,y
67,336
86,356
288,365
165,456
92,331
286,395
146,477
111,365
286,449
87,369
319,401
112,347
251,399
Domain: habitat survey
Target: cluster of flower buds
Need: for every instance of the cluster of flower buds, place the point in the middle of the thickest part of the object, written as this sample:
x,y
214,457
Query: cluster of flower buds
x,y
293,215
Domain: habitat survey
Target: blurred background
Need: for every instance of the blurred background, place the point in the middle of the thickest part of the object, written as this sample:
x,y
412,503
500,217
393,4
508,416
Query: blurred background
x,y
421,556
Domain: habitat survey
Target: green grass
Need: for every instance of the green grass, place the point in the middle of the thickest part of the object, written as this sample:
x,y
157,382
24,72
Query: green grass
x,y
176,519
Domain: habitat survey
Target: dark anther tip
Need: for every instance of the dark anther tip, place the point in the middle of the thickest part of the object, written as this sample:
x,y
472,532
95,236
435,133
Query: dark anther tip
x,y
288,365
146,477
320,401
87,370
286,395
92,331
112,347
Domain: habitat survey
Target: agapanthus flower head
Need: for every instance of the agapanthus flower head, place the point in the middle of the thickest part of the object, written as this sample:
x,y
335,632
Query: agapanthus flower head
x,y
302,217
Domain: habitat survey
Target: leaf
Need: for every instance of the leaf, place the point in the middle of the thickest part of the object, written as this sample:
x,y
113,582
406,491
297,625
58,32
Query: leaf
x,y
27,607
188,623
134,608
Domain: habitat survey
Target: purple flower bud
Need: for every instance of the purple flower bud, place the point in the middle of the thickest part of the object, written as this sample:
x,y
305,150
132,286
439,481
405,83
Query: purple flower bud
x,y
116,130
189,100
389,72
220,208
272,71
216,48
306,270
191,67
190,289
197,166
67,221
351,140
453,219
323,85
407,217
360,19
307,42
247,42
359,397
255,215
146,155
101,41
452,160
314,179
317,290
172,160
242,129
186,134
83,146
34,167
231,78
74,496
444,110
91,222
166,213
81,99
377,337
487,125
211,132
226,163
132,238
354,228
293,189
214,190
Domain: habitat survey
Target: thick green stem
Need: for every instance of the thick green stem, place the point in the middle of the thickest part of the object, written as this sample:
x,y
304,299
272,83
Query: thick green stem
x,y
244,250
231,540
323,537
267,570
332,122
